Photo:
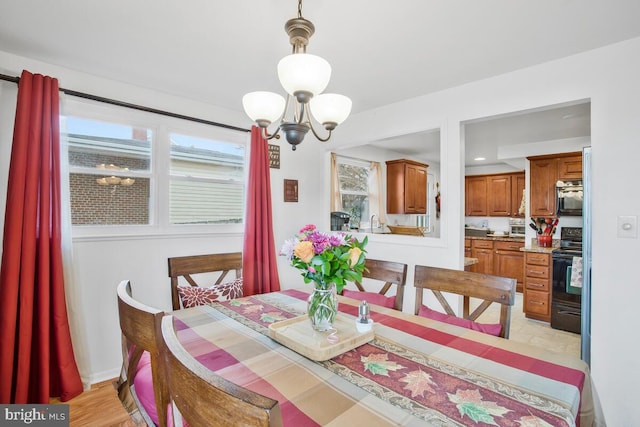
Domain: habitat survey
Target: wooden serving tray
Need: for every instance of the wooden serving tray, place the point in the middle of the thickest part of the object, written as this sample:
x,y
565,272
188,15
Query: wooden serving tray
x,y
298,335
406,229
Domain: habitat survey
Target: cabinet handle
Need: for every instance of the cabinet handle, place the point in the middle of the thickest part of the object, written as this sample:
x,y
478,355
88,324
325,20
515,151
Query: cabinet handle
x,y
537,285
536,272
536,302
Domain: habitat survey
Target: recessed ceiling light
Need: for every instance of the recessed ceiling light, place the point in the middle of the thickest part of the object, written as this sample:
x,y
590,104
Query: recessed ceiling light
x,y
478,159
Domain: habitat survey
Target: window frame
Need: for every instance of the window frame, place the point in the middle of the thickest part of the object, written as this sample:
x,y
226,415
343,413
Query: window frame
x,y
159,200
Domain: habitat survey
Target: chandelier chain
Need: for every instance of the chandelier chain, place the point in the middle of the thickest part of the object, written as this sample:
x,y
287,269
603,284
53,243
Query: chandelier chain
x,y
299,8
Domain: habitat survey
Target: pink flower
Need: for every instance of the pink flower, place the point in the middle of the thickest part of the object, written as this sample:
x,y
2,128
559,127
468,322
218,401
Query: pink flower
x,y
308,227
311,269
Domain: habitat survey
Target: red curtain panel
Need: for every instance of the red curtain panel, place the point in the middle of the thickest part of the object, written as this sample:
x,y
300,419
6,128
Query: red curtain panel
x,y
259,264
36,360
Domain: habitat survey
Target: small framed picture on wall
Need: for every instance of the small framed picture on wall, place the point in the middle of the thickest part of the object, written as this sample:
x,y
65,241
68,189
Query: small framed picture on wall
x,y
290,190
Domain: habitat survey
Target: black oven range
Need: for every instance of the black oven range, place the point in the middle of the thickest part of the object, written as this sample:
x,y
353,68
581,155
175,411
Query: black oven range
x,y
566,294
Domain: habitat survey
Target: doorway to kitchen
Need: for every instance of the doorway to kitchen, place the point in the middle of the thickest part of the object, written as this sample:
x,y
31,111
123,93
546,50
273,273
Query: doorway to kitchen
x,y
500,145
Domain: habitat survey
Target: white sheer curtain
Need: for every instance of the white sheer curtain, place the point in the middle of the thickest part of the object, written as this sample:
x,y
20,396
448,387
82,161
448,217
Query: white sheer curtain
x,y
336,199
376,204
72,289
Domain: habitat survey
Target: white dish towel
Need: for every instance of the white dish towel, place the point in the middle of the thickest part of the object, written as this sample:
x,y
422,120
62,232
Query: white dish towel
x,y
576,272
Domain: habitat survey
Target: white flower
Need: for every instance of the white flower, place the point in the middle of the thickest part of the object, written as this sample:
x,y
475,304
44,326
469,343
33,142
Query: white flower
x,y
287,248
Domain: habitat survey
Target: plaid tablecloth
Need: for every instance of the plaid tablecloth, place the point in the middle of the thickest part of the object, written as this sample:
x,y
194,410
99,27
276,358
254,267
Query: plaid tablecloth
x,y
415,372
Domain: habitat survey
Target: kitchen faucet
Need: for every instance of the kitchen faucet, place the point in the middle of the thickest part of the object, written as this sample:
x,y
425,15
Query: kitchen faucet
x,y
371,222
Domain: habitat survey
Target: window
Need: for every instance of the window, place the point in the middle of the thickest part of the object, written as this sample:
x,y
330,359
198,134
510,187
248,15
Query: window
x,y
207,181
110,172
353,178
134,168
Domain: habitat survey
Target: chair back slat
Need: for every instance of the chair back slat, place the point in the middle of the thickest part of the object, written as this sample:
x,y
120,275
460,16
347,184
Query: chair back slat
x,y
490,289
206,399
392,273
187,266
140,325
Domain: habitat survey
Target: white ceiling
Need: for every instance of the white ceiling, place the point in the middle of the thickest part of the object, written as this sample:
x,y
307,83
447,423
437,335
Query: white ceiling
x,y
381,51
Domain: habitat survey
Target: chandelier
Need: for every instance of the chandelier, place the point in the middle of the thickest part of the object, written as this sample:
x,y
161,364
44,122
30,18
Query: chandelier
x,y
304,77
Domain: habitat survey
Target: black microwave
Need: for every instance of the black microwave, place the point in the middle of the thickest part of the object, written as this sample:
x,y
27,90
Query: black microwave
x,y
569,197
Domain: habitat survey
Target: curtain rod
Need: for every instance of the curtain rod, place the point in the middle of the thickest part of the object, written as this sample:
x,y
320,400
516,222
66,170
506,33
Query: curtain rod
x,y
14,79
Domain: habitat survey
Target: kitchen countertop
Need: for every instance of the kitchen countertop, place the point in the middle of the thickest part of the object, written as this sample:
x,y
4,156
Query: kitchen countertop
x,y
496,238
533,247
470,261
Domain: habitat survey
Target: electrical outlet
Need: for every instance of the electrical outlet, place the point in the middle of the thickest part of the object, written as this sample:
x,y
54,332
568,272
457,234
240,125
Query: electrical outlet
x,y
628,226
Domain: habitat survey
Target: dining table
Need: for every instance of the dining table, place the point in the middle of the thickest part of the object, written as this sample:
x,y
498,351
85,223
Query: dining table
x,y
414,371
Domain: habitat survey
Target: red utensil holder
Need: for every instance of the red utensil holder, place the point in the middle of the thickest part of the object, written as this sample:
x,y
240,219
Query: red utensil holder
x,y
545,240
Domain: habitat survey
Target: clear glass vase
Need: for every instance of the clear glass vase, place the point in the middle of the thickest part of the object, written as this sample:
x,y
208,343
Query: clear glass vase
x,y
322,307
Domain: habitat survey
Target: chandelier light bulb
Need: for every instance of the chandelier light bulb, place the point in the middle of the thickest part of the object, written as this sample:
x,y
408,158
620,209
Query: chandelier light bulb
x,y
263,108
302,72
330,109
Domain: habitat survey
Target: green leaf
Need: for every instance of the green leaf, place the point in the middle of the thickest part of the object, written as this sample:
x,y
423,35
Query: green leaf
x,y
377,369
475,412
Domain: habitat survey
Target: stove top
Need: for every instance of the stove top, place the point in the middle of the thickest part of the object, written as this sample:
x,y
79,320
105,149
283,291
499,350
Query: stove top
x,y
570,241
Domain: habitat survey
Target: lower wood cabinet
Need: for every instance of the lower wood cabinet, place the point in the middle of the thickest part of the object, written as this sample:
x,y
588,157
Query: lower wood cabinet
x,y
509,261
498,258
483,250
537,286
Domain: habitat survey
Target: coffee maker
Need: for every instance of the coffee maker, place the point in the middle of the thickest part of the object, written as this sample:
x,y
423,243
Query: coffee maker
x,y
339,220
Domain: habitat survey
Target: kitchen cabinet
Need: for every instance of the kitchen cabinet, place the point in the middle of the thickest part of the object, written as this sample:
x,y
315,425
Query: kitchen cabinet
x,y
545,171
542,186
570,168
467,254
509,261
483,250
475,195
537,286
499,195
406,187
494,195
518,184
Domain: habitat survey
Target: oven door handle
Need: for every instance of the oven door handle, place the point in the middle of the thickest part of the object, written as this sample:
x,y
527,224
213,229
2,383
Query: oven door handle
x,y
570,313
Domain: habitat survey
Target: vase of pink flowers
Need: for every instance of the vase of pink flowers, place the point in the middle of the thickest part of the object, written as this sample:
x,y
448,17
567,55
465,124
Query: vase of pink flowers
x,y
328,260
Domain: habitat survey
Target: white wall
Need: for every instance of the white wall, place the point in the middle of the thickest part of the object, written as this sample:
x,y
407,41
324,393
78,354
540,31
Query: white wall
x,y
608,77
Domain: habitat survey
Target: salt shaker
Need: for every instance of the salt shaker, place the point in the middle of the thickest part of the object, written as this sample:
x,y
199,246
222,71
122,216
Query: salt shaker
x,y
363,312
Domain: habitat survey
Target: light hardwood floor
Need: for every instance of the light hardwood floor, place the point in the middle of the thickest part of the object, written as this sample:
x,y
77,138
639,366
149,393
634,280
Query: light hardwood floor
x,y
98,407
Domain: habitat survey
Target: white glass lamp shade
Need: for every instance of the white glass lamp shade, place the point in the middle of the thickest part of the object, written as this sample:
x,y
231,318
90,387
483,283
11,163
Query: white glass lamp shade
x,y
330,108
302,72
263,106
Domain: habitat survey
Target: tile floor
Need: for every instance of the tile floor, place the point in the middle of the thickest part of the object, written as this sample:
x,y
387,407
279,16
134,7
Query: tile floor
x,y
535,332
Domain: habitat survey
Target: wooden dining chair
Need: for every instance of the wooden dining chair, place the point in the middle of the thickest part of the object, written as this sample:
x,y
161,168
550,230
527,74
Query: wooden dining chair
x,y
391,273
140,326
490,289
203,398
188,267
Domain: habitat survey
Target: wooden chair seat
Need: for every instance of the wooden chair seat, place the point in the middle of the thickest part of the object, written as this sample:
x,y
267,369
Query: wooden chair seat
x,y
391,273
140,326
188,267
490,289
206,399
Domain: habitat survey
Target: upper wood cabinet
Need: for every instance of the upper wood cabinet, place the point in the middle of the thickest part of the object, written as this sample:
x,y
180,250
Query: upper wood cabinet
x,y
545,171
499,195
475,195
494,195
570,168
542,187
406,187
518,184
